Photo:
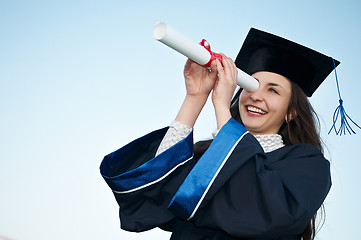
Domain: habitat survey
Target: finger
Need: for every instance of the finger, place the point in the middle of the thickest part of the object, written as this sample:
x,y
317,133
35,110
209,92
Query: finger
x,y
211,72
230,67
213,66
227,66
220,69
227,63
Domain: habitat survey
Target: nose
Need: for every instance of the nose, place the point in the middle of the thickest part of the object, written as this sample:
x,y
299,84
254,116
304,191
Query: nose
x,y
256,96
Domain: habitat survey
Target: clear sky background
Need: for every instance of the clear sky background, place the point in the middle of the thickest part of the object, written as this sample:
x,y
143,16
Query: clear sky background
x,y
79,79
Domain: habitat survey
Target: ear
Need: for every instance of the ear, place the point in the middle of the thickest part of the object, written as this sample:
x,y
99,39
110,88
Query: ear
x,y
290,116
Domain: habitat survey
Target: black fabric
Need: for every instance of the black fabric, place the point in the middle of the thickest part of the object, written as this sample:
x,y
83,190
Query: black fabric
x,y
263,51
185,230
256,195
134,150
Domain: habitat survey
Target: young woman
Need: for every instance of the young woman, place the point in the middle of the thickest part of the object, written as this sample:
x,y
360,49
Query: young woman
x,y
263,176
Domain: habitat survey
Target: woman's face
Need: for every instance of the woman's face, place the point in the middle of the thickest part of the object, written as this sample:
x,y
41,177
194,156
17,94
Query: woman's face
x,y
265,110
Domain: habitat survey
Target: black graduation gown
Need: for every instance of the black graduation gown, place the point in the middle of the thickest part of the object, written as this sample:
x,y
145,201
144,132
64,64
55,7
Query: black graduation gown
x,y
234,191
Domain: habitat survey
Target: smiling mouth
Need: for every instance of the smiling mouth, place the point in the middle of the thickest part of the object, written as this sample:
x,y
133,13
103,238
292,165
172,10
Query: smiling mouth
x,y
255,110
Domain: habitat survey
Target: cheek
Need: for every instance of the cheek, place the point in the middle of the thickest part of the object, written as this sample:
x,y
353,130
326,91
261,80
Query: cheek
x,y
243,97
279,107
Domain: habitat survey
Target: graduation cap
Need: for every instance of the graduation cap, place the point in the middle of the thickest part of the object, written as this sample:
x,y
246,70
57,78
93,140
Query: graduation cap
x,y
262,51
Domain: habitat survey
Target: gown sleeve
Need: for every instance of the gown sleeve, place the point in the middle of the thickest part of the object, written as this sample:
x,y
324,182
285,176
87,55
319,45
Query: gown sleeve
x,y
252,194
177,131
143,183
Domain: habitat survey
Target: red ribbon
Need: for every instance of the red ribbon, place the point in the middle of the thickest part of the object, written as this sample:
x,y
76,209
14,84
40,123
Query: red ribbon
x,y
214,55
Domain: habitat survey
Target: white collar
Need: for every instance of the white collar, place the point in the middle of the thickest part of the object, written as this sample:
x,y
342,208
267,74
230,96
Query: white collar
x,y
270,142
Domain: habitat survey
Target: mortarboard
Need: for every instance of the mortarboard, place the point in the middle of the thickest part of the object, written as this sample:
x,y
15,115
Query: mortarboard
x,y
262,51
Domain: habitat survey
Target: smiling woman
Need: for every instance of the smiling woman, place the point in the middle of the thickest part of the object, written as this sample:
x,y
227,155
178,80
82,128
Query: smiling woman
x,y
264,110
263,176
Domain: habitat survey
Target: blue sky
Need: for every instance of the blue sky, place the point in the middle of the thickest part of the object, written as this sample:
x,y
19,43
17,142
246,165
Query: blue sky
x,y
80,79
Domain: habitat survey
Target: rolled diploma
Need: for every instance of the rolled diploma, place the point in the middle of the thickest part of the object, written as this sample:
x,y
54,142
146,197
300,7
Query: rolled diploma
x,y
196,52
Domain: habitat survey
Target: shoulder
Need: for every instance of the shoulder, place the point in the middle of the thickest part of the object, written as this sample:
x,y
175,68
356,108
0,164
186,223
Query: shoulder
x,y
300,156
297,150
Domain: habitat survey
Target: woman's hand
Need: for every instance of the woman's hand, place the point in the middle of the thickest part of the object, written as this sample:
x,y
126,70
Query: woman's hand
x,y
199,83
199,80
224,89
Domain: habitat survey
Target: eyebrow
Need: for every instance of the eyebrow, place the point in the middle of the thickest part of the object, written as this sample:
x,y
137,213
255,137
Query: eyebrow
x,y
275,85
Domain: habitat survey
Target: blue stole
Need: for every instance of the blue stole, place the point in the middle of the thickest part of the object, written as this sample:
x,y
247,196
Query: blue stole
x,y
191,193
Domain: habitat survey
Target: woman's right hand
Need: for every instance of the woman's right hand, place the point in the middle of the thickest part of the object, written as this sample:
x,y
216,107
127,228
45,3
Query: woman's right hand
x,y
199,80
199,83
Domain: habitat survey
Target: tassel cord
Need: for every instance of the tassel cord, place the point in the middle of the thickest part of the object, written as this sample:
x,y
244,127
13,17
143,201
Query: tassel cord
x,y
340,110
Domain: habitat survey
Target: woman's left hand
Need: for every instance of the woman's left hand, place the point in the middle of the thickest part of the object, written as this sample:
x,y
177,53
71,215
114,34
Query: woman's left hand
x,y
223,89
226,83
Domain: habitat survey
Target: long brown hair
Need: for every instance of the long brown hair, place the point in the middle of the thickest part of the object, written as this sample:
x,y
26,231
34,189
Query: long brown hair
x,y
303,127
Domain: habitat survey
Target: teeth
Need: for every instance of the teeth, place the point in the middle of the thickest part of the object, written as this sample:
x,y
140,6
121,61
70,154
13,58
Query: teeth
x,y
255,110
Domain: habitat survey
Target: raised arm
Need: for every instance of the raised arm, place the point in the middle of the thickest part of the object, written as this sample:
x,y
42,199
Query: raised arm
x,y
199,83
224,89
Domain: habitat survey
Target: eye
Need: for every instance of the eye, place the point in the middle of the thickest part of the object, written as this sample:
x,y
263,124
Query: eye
x,y
273,90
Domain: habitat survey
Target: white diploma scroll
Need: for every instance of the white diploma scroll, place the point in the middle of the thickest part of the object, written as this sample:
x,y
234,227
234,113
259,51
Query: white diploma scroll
x,y
196,52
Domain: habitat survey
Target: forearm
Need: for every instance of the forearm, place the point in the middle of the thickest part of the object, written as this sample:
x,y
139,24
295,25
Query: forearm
x,y
190,109
223,114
